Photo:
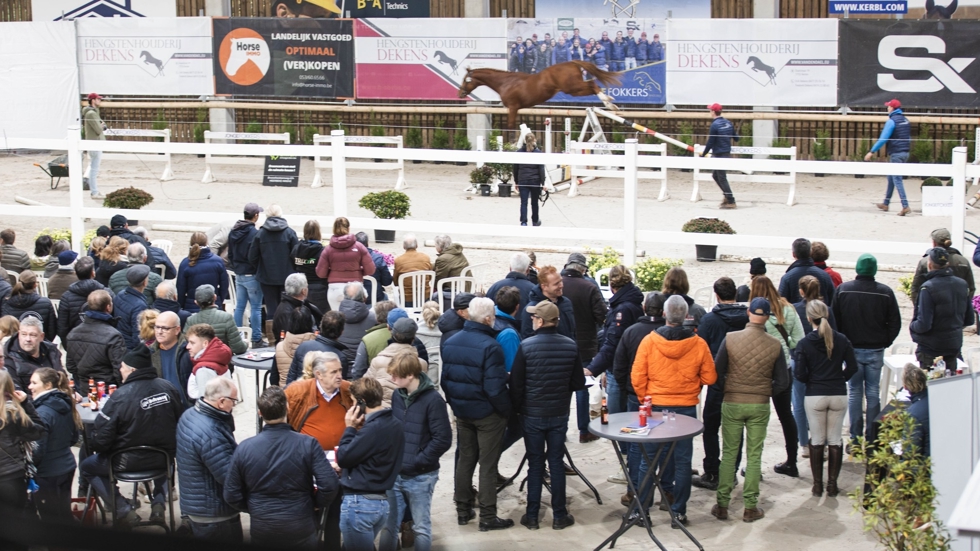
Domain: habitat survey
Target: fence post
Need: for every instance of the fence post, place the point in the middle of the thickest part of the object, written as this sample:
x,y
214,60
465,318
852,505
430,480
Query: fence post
x,y
339,173
959,199
629,203
75,188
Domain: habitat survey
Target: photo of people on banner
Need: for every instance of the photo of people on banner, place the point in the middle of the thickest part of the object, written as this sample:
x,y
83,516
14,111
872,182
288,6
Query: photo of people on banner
x,y
634,47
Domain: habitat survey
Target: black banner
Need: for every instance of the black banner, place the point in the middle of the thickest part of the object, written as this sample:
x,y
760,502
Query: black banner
x,y
921,63
284,57
281,171
387,8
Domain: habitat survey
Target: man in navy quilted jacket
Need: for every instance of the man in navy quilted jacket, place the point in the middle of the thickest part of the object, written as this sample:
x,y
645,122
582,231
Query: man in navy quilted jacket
x,y
205,445
719,145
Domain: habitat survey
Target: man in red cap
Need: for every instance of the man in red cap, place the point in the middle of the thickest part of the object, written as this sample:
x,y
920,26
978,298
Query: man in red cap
x,y
93,129
719,144
896,137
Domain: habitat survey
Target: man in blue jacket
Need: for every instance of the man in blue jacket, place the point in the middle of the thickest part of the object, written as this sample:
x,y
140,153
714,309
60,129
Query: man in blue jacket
x,y
428,436
720,137
617,54
803,265
896,137
642,46
656,50
130,303
630,50
474,379
278,477
247,288
205,446
520,263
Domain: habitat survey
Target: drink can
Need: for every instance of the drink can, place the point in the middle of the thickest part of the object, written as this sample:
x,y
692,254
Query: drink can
x,y
959,370
101,387
112,388
643,418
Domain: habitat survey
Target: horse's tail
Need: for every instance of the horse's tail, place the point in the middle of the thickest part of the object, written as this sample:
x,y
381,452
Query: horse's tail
x,y
607,78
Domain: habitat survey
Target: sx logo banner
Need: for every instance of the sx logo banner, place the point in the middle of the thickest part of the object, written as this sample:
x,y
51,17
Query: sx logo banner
x,y
923,63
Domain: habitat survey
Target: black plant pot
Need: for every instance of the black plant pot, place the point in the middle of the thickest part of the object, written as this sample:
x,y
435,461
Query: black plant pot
x,y
706,253
438,162
859,175
687,170
504,190
818,175
485,190
416,162
378,160
200,155
460,163
384,236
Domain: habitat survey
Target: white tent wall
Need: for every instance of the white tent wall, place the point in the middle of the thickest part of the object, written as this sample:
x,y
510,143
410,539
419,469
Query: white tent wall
x,y
38,79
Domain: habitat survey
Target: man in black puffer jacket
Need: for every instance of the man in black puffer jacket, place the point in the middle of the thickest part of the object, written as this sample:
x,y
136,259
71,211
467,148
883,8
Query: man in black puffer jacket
x,y
248,289
428,436
278,477
27,352
95,348
941,313
205,445
270,252
547,369
451,321
142,412
73,301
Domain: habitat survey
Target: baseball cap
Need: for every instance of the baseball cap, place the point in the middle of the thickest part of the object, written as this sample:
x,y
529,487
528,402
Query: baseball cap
x,y
938,256
760,307
894,104
93,96
118,221
577,258
251,209
405,328
66,258
136,274
462,301
940,235
546,310
395,315
715,107
204,293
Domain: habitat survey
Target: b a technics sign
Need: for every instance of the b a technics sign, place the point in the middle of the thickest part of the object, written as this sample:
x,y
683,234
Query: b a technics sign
x,y
284,57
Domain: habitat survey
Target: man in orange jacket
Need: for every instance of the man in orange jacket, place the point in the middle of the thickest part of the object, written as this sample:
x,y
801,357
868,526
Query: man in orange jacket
x,y
671,366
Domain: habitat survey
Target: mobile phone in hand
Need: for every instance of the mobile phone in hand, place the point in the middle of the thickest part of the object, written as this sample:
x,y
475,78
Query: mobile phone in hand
x,y
361,407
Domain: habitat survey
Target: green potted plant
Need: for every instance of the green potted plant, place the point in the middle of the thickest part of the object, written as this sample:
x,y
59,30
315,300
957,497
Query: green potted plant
x,y
253,127
202,125
389,205
482,177
707,253
862,149
821,148
460,141
503,172
440,138
127,198
376,131
413,137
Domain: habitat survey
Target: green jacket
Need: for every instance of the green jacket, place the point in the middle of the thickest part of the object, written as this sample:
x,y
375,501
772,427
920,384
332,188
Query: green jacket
x,y
92,124
224,327
793,327
450,262
425,383
118,282
376,339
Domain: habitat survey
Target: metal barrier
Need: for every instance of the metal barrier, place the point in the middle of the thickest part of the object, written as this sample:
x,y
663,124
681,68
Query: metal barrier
x,y
145,157
701,175
396,164
210,159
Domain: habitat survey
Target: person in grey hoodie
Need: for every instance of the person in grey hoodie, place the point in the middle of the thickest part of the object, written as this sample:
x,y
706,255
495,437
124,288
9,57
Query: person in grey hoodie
x,y
358,318
271,254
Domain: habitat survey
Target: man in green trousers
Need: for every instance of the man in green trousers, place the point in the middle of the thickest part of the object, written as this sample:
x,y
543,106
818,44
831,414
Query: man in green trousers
x,y
751,368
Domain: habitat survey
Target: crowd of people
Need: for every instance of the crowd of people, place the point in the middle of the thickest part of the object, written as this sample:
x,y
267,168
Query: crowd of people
x,y
622,53
358,414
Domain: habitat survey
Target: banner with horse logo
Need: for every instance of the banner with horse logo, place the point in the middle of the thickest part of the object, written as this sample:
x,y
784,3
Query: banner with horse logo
x,y
425,58
295,57
634,48
753,62
145,56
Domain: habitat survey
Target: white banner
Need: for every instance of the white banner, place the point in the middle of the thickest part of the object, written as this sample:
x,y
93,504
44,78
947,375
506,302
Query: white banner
x,y
146,56
752,62
55,10
38,79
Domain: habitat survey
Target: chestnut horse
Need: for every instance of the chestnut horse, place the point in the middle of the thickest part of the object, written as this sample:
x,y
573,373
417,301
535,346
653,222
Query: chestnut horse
x,y
520,90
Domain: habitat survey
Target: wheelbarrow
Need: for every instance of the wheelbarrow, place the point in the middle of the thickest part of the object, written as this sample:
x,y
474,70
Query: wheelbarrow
x,y
58,168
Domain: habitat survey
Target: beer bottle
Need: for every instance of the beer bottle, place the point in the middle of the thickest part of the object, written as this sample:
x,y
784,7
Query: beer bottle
x,y
604,413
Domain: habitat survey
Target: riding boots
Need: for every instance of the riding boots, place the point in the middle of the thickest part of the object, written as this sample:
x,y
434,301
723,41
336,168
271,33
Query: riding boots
x,y
816,467
835,455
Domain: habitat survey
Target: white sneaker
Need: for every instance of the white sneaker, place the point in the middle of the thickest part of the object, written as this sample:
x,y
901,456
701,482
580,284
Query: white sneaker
x,y
618,478
97,196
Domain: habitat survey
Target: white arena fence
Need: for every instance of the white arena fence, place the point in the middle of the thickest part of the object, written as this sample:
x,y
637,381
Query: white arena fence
x,y
627,233
212,159
599,170
701,175
320,164
163,157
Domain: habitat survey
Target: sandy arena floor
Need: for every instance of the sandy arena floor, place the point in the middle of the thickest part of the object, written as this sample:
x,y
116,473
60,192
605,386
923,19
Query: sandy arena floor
x,y
831,207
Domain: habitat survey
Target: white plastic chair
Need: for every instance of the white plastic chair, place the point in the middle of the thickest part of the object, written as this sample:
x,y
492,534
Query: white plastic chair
x,y
972,358
456,286
471,272
42,286
246,335
374,289
705,296
55,302
902,348
164,245
13,277
421,282
602,278
232,293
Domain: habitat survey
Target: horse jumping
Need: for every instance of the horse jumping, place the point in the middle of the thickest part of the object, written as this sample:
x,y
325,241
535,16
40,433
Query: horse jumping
x,y
520,90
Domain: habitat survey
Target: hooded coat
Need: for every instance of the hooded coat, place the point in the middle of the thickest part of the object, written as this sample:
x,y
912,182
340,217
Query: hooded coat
x,y
53,456
625,307
428,434
671,366
22,365
208,270
212,362
358,318
73,303
344,260
450,262
306,256
239,241
94,350
270,251
17,305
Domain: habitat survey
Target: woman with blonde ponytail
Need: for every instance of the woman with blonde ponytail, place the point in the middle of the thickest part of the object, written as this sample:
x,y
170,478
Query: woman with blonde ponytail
x,y
824,362
53,458
201,267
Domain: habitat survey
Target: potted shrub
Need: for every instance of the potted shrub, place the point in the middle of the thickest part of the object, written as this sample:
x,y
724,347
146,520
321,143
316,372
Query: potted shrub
x,y
707,253
413,137
482,177
127,198
860,152
460,141
821,148
390,205
440,138
201,126
503,172
937,198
